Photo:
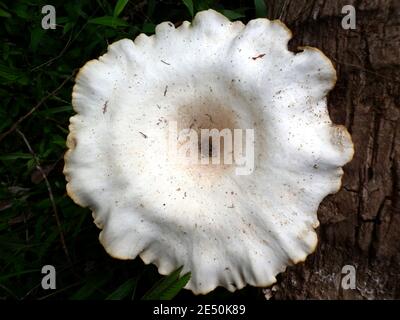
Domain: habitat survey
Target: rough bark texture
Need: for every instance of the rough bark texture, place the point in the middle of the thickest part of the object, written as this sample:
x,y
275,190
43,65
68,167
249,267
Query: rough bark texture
x,y
360,225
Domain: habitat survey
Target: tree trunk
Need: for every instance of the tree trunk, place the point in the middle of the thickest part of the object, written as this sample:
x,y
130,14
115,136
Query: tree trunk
x,y
360,225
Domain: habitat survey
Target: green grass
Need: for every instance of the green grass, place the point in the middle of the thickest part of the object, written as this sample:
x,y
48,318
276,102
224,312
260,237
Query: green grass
x,y
39,223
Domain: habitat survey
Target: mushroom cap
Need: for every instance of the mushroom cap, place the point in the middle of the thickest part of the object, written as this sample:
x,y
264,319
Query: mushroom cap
x,y
226,229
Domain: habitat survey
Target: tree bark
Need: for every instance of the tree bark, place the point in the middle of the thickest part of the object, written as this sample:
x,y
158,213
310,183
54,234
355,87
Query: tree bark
x,y
360,225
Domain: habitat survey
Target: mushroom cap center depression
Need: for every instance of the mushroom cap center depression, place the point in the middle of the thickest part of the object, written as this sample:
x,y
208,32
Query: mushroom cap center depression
x,y
211,138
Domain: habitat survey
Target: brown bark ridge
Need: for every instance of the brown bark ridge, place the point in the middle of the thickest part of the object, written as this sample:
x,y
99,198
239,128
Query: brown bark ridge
x,y
360,225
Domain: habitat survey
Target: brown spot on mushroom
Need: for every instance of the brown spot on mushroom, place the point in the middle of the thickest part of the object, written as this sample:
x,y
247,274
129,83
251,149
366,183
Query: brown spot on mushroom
x,y
207,114
259,56
105,106
209,117
71,141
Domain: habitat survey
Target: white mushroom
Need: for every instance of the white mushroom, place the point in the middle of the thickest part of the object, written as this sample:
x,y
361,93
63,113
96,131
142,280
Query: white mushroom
x,y
227,229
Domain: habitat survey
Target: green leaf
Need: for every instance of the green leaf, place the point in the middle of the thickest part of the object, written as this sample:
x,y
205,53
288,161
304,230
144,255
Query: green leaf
x,y
9,75
189,5
91,286
15,156
128,287
169,287
119,7
36,36
16,274
22,11
204,4
261,8
68,26
4,14
148,27
58,140
65,131
49,241
151,5
232,15
67,108
6,51
109,22
61,20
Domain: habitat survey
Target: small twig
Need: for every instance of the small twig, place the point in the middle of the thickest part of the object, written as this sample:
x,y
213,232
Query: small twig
x,y
105,105
49,62
16,124
144,136
258,56
53,203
